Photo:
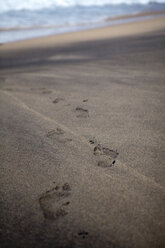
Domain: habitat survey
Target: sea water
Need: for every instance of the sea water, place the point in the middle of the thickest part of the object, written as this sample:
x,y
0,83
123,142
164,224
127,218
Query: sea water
x,y
33,18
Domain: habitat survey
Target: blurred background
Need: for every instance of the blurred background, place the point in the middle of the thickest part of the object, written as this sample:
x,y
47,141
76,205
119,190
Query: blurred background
x,y
34,18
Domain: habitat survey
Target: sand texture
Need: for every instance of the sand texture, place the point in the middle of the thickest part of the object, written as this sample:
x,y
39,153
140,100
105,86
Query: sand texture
x,y
82,139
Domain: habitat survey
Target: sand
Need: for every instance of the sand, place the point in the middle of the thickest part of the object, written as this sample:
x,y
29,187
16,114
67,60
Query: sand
x,y
82,139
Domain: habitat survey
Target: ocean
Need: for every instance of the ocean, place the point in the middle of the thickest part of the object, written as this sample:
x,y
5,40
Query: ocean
x,y
34,18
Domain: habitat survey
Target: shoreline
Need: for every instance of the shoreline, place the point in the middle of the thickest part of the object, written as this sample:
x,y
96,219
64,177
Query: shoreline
x,y
140,14
51,31
95,34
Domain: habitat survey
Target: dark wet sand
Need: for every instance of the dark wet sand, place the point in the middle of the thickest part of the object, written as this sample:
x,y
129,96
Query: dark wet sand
x,y
82,139
141,14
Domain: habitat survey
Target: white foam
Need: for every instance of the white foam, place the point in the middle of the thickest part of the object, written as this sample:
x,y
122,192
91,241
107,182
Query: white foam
x,y
10,5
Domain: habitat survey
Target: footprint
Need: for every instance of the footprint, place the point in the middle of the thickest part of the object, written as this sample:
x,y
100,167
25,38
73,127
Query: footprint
x,y
46,92
41,90
82,238
83,234
9,89
54,203
106,156
58,131
59,135
36,89
58,100
100,150
93,141
106,163
91,239
82,113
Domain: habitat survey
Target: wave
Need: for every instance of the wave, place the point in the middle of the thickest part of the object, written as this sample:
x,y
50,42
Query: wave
x,y
81,24
18,5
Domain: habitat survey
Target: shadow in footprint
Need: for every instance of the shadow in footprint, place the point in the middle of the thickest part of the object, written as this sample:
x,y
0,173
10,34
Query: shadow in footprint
x,y
9,89
82,113
93,141
58,134
100,150
58,131
58,100
83,234
37,89
54,203
46,92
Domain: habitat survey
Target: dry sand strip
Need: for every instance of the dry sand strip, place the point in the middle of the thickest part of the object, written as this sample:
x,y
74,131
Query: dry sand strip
x,y
82,139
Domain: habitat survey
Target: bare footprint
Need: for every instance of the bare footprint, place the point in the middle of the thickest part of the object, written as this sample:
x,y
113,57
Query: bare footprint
x,y
8,89
59,135
107,157
46,92
93,141
58,100
84,238
54,203
100,150
106,162
58,131
82,113
83,234
37,89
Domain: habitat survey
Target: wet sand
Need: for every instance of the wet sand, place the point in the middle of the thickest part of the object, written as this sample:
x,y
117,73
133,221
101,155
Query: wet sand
x,y
138,15
82,139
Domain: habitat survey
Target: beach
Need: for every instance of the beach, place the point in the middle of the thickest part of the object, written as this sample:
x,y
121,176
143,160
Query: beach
x,y
82,138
